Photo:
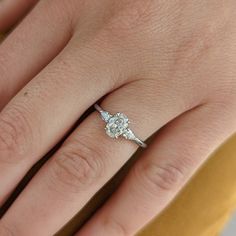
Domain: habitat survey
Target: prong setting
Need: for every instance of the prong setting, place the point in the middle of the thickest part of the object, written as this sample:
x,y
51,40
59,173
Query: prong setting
x,y
118,125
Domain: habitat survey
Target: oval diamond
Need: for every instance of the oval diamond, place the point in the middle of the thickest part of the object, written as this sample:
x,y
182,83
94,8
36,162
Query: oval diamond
x,y
117,125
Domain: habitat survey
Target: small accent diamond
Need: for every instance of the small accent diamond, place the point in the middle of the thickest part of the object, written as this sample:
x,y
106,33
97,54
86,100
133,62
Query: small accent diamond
x,y
128,134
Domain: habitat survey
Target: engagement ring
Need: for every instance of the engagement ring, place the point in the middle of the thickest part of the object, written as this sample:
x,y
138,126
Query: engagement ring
x,y
118,125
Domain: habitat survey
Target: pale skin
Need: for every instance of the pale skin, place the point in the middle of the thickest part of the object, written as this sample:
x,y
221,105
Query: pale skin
x,y
165,64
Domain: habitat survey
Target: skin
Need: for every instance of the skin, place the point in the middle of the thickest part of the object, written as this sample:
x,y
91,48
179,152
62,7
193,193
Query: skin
x,y
165,64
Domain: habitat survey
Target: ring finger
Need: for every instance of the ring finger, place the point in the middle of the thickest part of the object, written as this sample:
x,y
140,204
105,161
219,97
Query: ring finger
x,y
87,160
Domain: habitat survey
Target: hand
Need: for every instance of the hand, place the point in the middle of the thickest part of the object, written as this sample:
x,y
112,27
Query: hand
x,y
165,64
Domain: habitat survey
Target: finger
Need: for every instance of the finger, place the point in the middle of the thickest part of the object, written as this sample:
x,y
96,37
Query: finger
x,y
161,172
87,160
39,115
11,11
31,46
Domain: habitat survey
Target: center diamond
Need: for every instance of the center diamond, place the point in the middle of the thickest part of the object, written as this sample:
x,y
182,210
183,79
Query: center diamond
x,y
117,125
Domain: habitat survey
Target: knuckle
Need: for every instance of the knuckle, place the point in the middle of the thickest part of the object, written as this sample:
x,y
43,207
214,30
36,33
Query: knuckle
x,y
192,49
61,11
130,15
77,166
157,177
13,129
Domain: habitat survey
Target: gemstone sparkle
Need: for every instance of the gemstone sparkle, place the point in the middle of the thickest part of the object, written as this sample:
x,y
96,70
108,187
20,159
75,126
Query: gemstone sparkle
x,y
117,125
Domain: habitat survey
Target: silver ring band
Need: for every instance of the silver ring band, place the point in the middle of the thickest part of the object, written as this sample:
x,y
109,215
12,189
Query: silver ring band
x,y
118,125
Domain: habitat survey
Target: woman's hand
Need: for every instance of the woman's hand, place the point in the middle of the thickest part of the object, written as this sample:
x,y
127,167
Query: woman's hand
x,y
165,64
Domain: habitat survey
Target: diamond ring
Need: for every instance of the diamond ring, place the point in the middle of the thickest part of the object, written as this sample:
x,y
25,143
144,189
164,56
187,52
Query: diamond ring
x,y
118,125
